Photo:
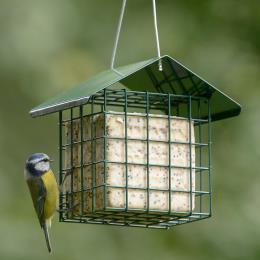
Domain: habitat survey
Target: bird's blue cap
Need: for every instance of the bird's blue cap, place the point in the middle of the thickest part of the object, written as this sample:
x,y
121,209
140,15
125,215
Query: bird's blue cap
x,y
37,157
33,160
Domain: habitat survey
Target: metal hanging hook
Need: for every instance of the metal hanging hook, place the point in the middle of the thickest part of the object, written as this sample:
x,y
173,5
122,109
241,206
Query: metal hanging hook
x,y
157,35
117,37
121,17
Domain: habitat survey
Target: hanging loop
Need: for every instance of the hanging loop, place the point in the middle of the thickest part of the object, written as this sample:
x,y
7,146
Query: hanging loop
x,y
157,35
117,37
121,17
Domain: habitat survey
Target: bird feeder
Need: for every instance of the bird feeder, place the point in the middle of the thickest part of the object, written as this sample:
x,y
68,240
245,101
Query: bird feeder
x,y
135,145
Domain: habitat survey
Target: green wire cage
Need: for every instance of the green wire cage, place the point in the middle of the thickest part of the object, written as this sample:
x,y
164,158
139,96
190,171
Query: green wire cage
x,y
135,145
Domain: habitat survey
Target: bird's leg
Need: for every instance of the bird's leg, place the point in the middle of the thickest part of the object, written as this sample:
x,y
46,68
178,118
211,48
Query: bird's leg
x,y
68,173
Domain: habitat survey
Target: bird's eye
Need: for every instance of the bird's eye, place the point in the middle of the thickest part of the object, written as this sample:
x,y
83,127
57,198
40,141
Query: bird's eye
x,y
45,160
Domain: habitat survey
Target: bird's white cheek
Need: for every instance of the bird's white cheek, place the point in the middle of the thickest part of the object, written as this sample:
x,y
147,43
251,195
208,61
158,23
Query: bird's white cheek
x,y
42,166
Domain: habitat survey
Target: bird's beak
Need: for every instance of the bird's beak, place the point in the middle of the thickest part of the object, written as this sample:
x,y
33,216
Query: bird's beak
x,y
51,160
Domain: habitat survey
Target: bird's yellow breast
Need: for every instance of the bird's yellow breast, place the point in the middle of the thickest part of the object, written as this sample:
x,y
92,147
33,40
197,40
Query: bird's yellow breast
x,y
51,200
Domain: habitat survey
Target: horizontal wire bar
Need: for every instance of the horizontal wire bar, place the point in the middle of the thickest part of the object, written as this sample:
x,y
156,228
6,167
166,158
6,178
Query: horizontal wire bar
x,y
133,139
137,164
129,92
199,120
197,193
78,117
134,94
142,213
195,120
125,221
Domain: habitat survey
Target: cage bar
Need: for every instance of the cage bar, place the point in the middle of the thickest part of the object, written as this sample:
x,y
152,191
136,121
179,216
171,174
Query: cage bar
x,y
127,105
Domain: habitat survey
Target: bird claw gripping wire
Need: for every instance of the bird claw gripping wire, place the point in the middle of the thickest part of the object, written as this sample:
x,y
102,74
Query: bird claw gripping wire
x,y
68,173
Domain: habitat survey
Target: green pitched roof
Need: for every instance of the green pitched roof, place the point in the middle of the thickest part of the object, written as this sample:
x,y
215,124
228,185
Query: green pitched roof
x,y
145,76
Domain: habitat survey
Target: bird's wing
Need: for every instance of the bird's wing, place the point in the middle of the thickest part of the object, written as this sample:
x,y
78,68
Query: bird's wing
x,y
38,194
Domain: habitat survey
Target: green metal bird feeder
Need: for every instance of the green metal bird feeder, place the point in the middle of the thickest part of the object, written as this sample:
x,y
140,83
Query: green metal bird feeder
x,y
135,144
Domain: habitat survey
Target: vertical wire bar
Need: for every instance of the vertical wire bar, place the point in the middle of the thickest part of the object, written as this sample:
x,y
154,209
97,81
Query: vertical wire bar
x,y
126,152
81,160
147,151
209,151
190,149
92,155
170,163
71,158
60,165
200,151
105,149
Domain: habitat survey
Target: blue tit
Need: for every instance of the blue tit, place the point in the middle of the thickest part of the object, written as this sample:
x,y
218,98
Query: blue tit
x,y
44,190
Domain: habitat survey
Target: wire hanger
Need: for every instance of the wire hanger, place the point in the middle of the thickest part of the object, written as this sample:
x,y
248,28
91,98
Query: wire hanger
x,y
121,17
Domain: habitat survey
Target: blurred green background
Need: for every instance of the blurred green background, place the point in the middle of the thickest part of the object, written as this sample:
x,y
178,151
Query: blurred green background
x,y
48,46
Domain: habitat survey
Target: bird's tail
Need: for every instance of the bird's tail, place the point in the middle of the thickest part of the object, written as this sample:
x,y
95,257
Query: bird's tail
x,y
47,238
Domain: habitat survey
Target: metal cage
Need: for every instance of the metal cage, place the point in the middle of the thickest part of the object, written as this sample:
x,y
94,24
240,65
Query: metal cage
x,y
78,199
91,191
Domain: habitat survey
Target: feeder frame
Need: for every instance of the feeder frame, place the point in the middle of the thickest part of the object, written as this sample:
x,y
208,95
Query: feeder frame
x,y
172,93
